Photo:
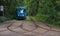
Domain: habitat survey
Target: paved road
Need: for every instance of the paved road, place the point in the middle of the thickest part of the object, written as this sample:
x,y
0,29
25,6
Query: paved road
x,y
26,28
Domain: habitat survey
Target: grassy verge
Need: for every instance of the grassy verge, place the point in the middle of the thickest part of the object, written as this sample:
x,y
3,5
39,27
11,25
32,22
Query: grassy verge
x,y
55,24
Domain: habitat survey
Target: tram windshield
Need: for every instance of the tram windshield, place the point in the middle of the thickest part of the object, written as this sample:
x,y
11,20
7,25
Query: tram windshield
x,y
21,11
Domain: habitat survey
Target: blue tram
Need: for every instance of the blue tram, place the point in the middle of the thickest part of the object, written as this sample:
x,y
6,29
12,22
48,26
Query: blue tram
x,y
20,12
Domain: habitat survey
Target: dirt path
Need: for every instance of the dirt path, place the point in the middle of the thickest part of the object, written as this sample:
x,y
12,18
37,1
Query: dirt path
x,y
27,28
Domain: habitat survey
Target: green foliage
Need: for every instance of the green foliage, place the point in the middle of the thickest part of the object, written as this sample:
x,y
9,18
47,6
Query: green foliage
x,y
2,19
42,10
49,12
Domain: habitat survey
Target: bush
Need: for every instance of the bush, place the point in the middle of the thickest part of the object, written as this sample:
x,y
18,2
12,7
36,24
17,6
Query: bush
x,y
2,19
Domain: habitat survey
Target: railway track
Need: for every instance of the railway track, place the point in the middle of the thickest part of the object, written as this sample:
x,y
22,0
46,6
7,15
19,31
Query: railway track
x,y
21,26
23,33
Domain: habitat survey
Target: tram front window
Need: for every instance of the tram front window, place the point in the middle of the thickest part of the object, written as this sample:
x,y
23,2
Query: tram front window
x,y
21,11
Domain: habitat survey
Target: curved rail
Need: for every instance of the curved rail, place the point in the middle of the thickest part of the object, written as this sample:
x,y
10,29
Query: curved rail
x,y
37,26
45,28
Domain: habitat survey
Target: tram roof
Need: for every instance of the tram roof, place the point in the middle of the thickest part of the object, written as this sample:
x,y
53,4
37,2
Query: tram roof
x,y
23,7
